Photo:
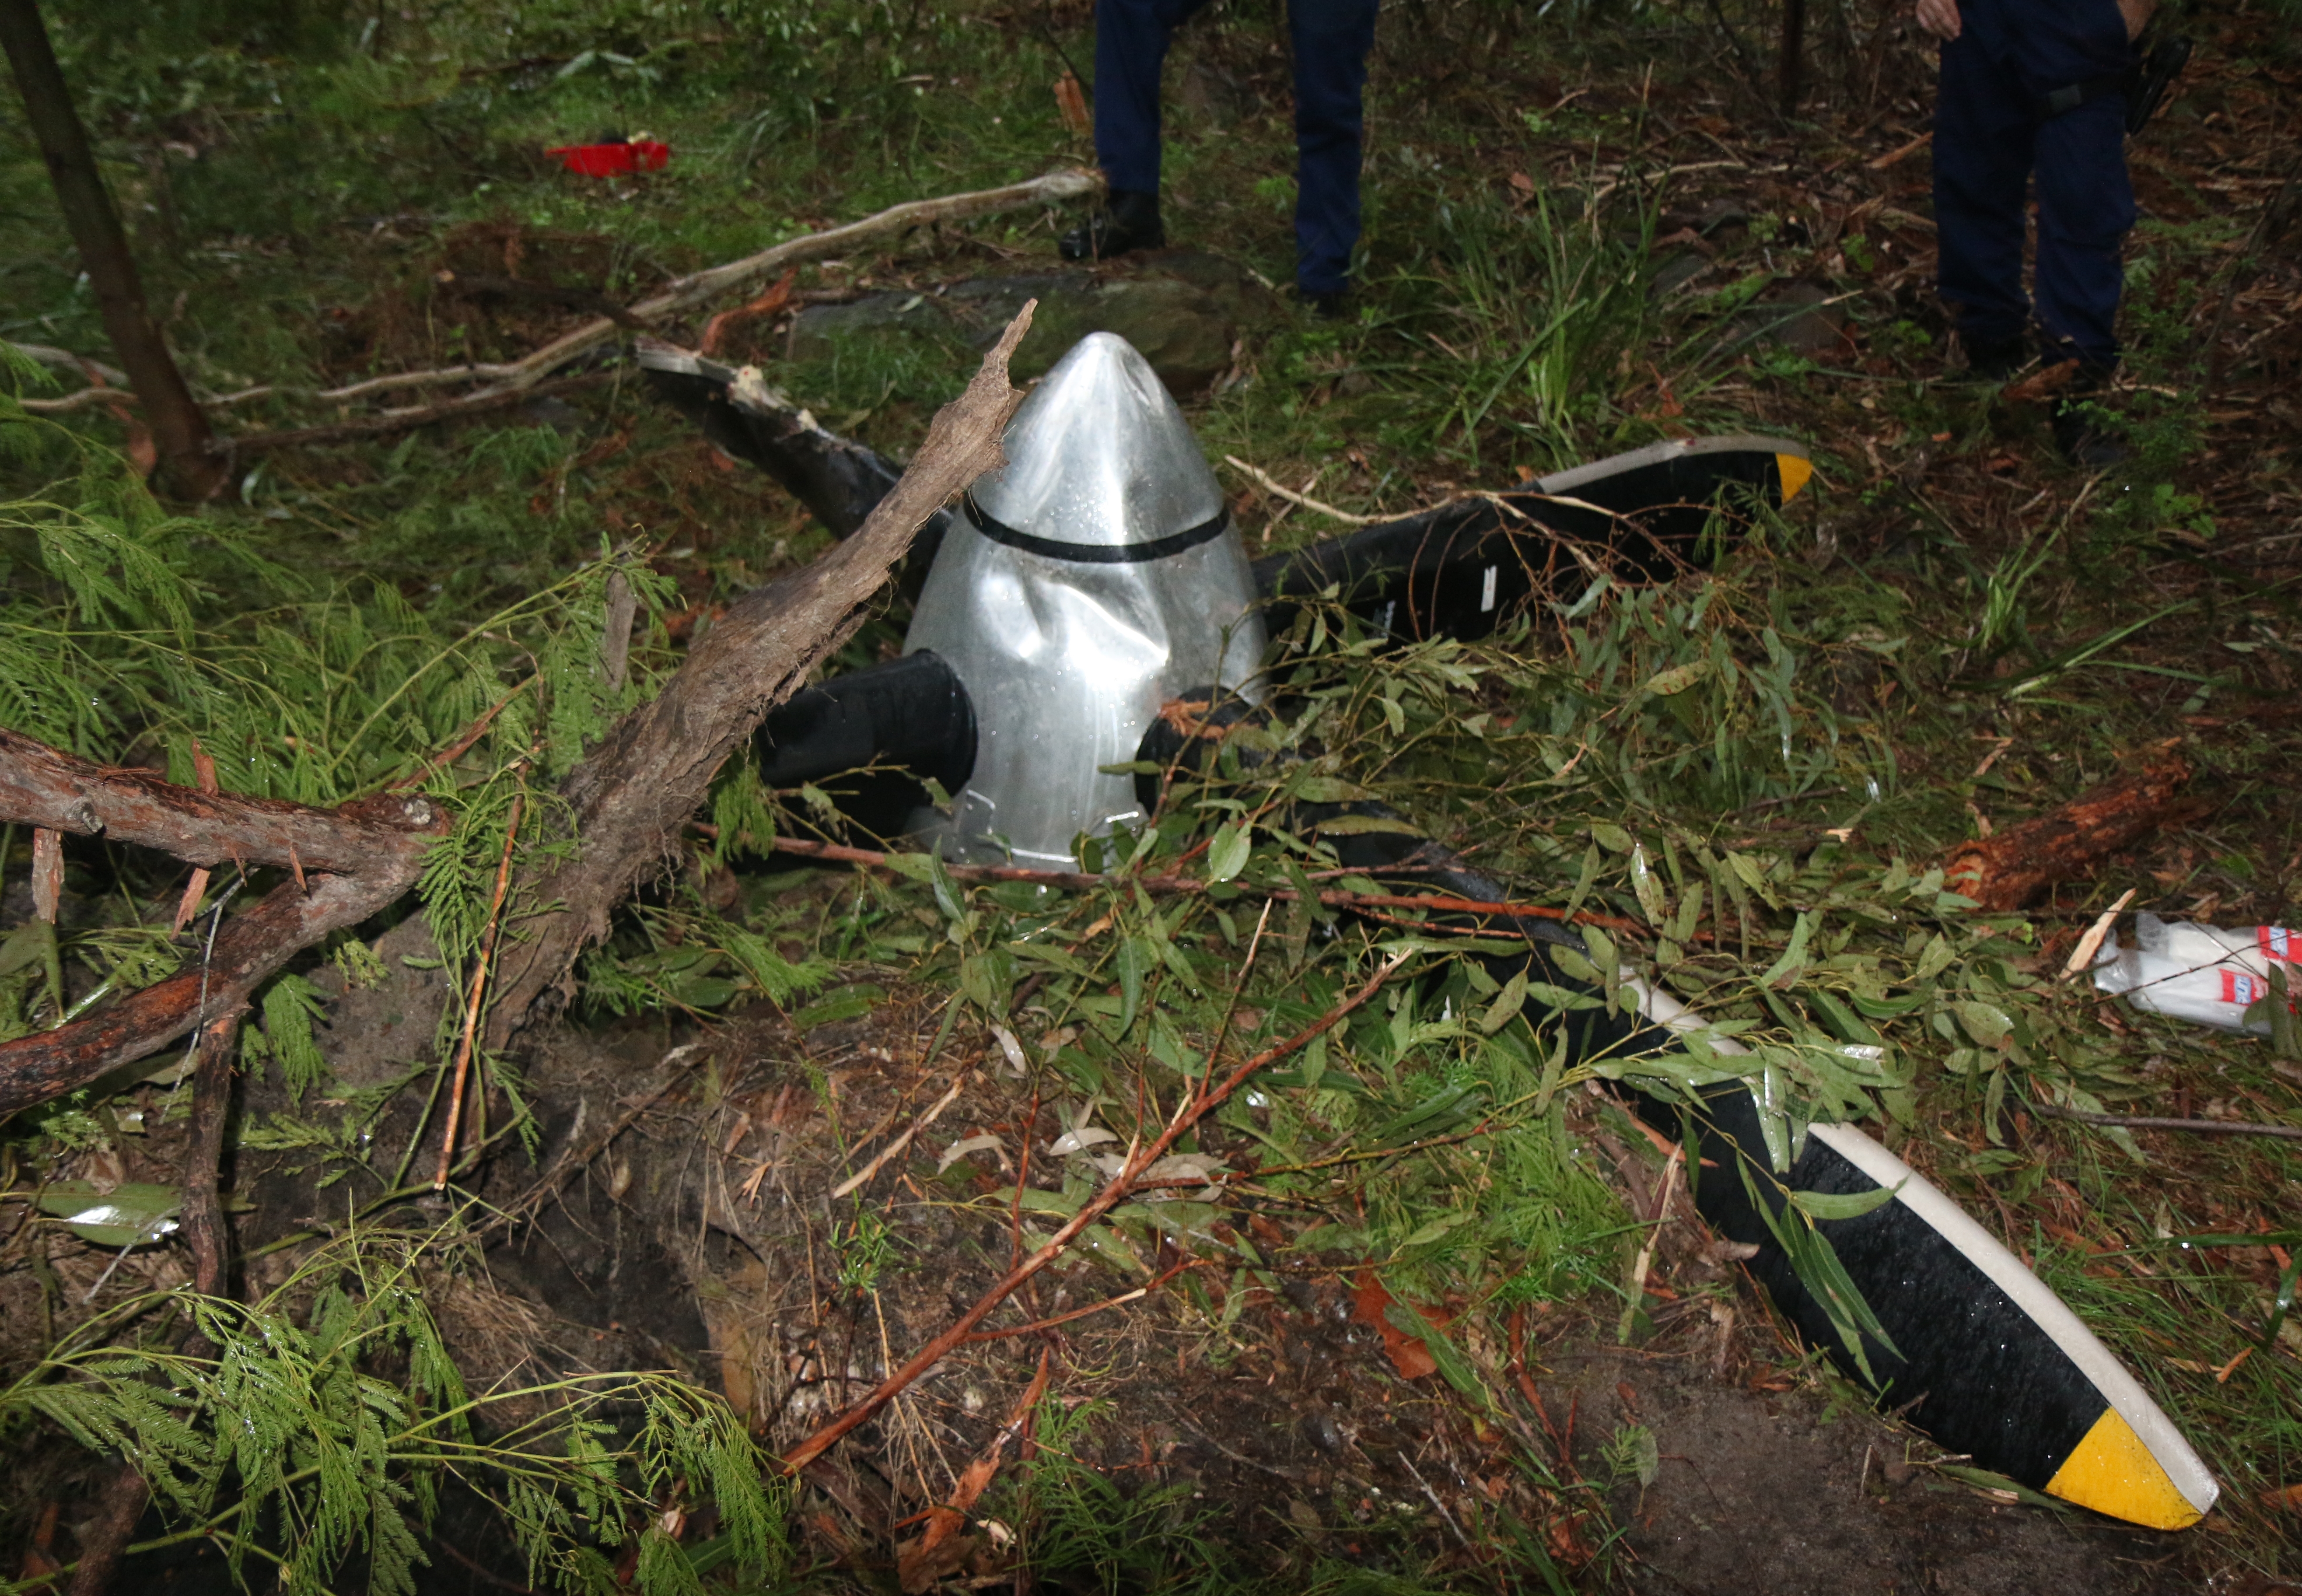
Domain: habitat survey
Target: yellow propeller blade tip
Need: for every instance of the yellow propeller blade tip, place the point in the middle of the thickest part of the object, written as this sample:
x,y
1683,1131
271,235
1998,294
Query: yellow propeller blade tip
x,y
1794,470
2113,1472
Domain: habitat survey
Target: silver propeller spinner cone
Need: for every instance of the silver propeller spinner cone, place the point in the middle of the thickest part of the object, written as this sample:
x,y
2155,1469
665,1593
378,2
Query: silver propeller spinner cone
x,y
1100,458
1093,577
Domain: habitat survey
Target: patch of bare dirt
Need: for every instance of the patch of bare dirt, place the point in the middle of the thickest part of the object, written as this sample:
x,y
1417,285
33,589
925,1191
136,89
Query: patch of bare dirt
x,y
1284,1425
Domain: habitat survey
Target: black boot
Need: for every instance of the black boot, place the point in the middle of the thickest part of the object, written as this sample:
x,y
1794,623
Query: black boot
x,y
2080,432
1996,359
1130,221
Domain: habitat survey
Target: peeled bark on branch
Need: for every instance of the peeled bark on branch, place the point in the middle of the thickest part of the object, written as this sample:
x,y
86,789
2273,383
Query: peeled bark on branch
x,y
631,798
248,949
2004,871
44,786
361,858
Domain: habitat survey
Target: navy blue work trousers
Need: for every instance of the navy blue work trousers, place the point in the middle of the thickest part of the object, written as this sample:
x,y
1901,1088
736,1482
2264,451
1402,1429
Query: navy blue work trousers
x,y
1331,40
1991,139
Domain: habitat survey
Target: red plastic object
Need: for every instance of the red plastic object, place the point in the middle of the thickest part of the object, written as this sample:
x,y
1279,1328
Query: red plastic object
x,y
612,160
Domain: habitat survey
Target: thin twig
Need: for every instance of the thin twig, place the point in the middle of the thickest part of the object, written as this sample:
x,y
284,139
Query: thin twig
x,y
1269,485
399,421
1139,1159
462,744
1108,1303
479,991
2136,1121
862,1177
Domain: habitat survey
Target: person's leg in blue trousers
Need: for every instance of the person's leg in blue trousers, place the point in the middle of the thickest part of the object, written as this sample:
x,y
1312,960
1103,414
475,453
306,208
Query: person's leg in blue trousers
x,y
1130,47
2086,206
1330,38
1984,127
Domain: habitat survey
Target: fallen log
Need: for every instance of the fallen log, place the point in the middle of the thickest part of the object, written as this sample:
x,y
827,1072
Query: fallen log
x,y
2006,870
248,949
628,801
348,863
47,787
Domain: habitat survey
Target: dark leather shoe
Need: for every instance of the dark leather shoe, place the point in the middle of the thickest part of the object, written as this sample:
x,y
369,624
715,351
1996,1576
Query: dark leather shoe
x,y
1130,222
1332,306
1995,360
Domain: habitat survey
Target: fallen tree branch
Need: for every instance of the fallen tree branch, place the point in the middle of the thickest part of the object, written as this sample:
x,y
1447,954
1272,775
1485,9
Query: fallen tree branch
x,y
205,1231
686,292
2139,1121
249,950
631,798
47,787
400,421
2004,871
1140,1158
518,378
350,862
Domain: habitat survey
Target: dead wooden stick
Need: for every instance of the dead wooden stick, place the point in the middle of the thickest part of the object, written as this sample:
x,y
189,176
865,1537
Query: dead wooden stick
x,y
205,1231
518,377
2004,871
44,786
248,950
1184,886
2138,1122
479,993
686,292
862,1177
1140,1158
372,852
400,421
630,799
1054,1321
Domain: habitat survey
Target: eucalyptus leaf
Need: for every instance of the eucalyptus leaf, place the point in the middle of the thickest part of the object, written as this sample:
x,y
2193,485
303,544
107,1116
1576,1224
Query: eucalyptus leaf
x,y
1851,1204
133,1214
1226,854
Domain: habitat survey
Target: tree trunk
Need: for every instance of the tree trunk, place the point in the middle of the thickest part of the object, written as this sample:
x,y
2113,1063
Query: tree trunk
x,y
178,429
1790,67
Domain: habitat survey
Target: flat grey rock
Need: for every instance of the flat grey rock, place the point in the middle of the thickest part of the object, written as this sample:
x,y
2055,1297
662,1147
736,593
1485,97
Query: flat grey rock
x,y
1183,309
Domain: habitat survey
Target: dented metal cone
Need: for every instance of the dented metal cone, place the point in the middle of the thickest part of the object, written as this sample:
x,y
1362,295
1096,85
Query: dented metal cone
x,y
1090,581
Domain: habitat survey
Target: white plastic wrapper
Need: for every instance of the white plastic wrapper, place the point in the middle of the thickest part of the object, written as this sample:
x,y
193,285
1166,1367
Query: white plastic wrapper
x,y
2210,974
